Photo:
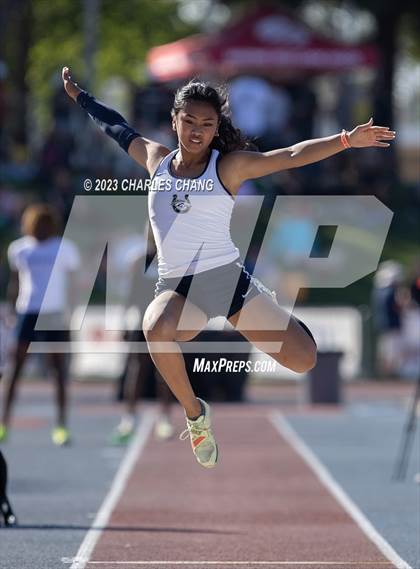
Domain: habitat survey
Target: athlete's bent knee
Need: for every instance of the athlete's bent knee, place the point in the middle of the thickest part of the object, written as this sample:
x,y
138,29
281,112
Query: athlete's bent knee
x,y
306,359
161,329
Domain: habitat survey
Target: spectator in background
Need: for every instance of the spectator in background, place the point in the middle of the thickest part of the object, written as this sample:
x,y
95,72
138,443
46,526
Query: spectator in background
x,y
411,367
151,104
12,204
255,104
278,131
415,288
303,111
31,260
56,151
3,109
61,194
389,301
61,110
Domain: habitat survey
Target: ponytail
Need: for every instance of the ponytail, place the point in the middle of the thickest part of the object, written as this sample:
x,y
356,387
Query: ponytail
x,y
230,138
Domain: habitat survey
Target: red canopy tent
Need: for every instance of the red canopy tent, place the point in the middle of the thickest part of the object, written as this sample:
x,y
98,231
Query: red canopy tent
x,y
268,42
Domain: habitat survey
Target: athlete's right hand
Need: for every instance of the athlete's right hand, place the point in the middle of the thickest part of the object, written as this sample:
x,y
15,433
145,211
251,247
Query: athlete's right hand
x,y
70,86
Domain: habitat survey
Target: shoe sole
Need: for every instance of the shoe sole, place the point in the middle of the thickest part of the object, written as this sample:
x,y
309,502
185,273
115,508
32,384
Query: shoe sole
x,y
210,465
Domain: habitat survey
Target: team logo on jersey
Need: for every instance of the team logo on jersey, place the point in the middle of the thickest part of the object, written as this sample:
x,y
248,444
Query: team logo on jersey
x,y
179,205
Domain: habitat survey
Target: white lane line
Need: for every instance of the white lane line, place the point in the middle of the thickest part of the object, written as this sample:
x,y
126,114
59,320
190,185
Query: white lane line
x,y
287,431
132,455
270,563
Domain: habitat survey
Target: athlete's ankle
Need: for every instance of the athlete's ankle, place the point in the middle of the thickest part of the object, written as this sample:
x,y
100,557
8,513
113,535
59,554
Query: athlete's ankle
x,y
196,414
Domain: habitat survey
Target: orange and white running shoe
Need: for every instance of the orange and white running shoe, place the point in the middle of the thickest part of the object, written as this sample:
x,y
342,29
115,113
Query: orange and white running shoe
x,y
203,443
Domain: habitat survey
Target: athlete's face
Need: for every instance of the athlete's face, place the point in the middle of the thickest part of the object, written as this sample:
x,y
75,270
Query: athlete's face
x,y
196,125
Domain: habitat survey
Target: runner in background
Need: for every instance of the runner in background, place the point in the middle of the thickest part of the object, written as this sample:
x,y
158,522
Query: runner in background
x,y
9,518
139,366
31,260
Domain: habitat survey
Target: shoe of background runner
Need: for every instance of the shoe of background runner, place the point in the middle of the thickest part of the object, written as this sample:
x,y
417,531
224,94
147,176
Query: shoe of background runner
x,y
203,443
3,433
9,518
123,434
60,436
164,429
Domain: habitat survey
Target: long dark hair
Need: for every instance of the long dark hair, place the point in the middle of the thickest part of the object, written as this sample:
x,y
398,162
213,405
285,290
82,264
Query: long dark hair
x,y
229,138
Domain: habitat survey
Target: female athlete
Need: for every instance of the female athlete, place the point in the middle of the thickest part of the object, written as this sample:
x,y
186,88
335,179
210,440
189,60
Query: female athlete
x,y
192,235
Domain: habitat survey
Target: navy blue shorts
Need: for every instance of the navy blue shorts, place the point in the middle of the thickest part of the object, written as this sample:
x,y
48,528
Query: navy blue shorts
x,y
217,292
25,328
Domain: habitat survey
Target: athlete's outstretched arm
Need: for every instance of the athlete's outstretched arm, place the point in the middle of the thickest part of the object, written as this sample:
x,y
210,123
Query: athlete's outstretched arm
x,y
256,164
147,153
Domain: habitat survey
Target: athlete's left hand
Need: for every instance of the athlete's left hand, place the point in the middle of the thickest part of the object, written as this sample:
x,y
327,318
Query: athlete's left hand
x,y
370,135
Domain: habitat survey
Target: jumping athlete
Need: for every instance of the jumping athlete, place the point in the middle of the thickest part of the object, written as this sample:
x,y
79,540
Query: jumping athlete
x,y
192,235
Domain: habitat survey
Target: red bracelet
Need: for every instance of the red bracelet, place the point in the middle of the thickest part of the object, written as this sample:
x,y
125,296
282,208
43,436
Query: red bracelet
x,y
345,141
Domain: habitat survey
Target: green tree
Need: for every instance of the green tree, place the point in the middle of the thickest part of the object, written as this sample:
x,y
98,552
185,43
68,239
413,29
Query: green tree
x,y
129,29
16,37
41,36
389,17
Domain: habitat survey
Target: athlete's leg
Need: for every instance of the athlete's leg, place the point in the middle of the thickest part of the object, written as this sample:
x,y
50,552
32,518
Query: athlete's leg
x,y
164,395
164,428
58,365
262,320
3,476
60,434
133,382
12,378
138,369
160,325
5,507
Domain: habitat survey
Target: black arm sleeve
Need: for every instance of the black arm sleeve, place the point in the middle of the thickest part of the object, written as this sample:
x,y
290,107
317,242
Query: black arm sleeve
x,y
111,122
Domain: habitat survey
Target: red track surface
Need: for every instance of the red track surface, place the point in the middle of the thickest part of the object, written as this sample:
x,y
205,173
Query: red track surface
x,y
261,503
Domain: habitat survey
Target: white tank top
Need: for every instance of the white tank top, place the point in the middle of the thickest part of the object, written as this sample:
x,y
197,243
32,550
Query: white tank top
x,y
190,219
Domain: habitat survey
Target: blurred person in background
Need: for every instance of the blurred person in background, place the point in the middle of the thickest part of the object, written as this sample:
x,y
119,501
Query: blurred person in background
x,y
260,110
151,104
389,299
31,260
303,111
139,366
415,289
412,328
9,518
56,152
6,511
61,193
3,109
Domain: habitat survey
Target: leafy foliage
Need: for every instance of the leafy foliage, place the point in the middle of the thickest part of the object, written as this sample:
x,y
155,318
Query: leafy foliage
x,y
129,29
126,31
